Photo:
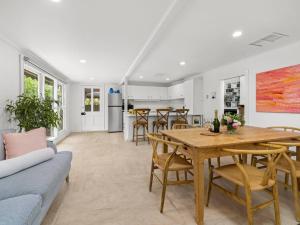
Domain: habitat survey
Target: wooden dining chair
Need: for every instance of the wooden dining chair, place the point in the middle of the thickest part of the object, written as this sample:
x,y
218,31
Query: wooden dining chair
x,y
288,143
249,177
166,163
181,117
141,121
290,167
162,119
177,126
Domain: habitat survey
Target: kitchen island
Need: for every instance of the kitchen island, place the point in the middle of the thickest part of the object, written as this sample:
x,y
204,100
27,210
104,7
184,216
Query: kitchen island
x,y
128,119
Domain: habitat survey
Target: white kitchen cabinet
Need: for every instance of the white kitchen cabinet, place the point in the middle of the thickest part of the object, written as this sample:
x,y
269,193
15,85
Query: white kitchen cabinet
x,y
176,91
191,91
135,92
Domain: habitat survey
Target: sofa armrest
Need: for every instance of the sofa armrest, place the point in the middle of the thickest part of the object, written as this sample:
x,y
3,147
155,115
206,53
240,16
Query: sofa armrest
x,y
50,144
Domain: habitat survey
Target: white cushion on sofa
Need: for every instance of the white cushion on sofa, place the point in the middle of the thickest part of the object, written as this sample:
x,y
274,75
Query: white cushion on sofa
x,y
12,166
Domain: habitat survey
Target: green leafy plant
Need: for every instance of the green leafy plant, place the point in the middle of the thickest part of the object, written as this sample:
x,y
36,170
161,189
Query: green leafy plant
x,y
32,112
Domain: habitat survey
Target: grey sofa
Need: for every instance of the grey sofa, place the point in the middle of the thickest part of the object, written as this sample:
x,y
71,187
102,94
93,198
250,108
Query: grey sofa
x,y
26,196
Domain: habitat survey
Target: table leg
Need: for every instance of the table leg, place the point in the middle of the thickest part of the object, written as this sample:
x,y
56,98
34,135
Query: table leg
x,y
298,153
198,162
298,159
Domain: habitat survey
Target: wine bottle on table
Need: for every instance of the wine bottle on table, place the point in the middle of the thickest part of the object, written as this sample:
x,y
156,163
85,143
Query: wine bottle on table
x,y
216,123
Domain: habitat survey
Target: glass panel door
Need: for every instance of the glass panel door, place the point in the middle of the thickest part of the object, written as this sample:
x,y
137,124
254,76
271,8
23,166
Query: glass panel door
x,y
96,99
92,114
88,100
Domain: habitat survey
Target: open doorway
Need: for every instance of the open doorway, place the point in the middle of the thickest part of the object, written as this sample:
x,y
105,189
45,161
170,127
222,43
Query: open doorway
x,y
234,95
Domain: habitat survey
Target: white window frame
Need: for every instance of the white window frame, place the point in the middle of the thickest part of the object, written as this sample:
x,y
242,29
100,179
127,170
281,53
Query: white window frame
x,y
41,92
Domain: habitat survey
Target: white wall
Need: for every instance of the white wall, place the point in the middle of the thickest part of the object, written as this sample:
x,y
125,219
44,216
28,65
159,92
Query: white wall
x,y
9,79
287,56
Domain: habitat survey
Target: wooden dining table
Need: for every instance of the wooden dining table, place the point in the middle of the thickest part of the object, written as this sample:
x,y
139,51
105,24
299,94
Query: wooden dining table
x,y
204,146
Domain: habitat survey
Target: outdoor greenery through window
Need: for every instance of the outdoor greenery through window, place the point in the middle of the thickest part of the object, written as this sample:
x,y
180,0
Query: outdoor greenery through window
x,y
49,87
31,83
38,83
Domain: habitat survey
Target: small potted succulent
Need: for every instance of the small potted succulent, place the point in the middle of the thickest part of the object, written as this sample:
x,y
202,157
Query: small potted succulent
x,y
232,121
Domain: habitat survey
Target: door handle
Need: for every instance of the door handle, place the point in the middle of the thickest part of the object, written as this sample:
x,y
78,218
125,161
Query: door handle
x,y
83,113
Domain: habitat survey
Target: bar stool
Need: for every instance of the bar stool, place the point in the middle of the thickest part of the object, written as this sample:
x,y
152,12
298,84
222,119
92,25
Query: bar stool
x,y
141,120
181,117
162,119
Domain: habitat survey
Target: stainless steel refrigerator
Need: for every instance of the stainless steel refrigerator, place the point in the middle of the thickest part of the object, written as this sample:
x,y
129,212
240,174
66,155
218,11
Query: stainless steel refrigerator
x,y
115,113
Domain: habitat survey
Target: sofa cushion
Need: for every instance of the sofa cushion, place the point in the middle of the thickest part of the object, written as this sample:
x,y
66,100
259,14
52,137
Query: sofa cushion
x,y
2,151
17,144
11,166
20,210
39,179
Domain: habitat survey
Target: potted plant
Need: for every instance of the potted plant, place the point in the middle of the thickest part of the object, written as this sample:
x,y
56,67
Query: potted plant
x,y
32,112
232,121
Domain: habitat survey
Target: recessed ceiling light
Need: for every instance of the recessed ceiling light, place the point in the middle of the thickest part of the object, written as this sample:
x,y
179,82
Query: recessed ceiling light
x,y
55,0
82,61
141,77
237,34
182,63
92,78
167,79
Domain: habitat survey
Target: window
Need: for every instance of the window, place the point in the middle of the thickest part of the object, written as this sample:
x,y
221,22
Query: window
x,y
31,83
96,101
49,88
91,99
87,99
39,83
61,106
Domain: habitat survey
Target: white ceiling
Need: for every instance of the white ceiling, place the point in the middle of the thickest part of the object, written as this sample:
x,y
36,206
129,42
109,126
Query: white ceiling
x,y
201,35
110,34
107,33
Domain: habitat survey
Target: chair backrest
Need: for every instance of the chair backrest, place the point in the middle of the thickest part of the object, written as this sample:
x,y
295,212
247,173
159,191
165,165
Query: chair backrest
x,y
181,115
157,140
141,115
182,126
284,128
162,115
273,153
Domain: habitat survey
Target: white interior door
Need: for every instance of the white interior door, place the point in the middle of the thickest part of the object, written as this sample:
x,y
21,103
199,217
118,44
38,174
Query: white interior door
x,y
92,113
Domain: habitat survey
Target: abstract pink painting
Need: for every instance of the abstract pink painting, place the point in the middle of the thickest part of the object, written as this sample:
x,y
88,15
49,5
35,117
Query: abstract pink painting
x,y
278,90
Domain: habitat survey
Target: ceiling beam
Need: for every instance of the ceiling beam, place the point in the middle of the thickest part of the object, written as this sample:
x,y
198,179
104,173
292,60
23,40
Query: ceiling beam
x,y
169,13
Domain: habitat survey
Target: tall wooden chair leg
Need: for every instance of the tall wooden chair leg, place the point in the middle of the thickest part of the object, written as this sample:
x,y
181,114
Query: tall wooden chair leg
x,y
295,194
136,135
151,176
163,194
147,129
177,175
219,161
153,127
249,206
286,180
209,185
144,133
133,133
276,205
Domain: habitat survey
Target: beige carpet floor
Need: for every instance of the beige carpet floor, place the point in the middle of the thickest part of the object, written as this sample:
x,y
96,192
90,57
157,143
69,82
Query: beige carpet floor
x,y
109,186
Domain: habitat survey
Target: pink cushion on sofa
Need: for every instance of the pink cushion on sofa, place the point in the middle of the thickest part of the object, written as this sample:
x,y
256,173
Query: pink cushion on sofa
x,y
17,144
